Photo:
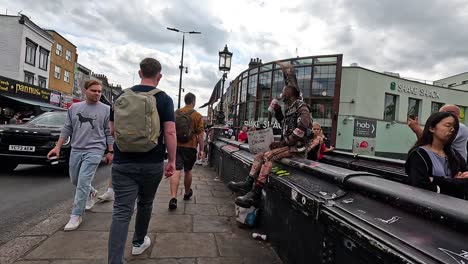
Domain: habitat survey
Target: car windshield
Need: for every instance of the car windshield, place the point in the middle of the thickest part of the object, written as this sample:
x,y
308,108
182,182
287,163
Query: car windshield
x,y
50,119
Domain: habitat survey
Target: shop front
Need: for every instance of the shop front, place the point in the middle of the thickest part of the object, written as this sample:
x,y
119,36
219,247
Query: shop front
x,y
24,100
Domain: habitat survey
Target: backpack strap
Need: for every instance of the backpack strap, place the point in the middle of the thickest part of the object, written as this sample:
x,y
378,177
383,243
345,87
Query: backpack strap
x,y
189,113
151,92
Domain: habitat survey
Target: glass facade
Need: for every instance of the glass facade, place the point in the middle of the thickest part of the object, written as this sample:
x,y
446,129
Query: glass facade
x,y
318,79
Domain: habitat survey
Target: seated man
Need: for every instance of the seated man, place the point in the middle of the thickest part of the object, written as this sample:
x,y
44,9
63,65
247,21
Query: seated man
x,y
294,141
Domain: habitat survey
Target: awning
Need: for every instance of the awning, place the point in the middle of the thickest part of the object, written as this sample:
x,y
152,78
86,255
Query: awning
x,y
46,106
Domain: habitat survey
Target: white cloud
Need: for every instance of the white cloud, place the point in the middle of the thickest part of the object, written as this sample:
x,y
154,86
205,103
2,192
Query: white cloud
x,y
420,39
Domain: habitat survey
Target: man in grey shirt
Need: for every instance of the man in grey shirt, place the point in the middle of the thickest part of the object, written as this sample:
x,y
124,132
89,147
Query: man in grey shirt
x,y
88,126
461,140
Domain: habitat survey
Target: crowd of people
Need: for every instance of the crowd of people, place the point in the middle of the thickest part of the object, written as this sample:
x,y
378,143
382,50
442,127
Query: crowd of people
x,y
136,132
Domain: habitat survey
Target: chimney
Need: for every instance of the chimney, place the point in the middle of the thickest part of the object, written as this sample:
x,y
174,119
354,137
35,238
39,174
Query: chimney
x,y
254,62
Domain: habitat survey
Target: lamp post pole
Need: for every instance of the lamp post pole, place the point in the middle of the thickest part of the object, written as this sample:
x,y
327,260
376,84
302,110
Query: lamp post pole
x,y
181,66
225,57
221,115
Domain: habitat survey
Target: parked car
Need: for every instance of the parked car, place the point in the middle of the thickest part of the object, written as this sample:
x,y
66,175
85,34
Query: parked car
x,y
29,143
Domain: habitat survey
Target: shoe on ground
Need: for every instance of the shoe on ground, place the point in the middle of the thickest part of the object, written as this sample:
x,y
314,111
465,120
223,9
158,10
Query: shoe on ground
x,y
188,195
205,163
91,200
173,204
198,162
139,249
106,197
73,223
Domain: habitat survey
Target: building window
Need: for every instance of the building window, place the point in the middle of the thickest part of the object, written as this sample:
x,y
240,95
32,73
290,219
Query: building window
x,y
43,58
57,72
66,76
323,83
390,107
413,107
262,110
252,89
58,50
435,106
42,82
264,85
278,84
68,55
30,57
29,77
304,75
244,91
321,109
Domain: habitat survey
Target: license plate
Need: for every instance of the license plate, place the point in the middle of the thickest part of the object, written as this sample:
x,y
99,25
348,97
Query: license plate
x,y
22,148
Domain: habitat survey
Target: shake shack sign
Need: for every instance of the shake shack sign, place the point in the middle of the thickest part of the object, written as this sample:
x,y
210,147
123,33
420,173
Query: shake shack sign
x,y
414,90
24,90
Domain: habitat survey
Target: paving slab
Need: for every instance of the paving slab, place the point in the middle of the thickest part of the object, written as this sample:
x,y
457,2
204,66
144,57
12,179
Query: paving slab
x,y
48,226
220,261
184,245
200,209
201,187
226,210
17,247
221,188
232,245
214,200
165,261
170,223
77,262
206,193
223,194
163,208
211,224
31,262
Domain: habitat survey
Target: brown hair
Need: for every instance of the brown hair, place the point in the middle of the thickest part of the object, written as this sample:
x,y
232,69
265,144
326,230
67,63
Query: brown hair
x,y
90,83
150,67
189,98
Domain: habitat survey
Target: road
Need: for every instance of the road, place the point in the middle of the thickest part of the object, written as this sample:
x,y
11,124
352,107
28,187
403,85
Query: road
x,y
31,193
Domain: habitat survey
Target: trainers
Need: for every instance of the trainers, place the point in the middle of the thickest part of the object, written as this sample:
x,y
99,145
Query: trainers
x,y
138,249
173,204
107,196
198,162
73,223
188,195
91,200
205,163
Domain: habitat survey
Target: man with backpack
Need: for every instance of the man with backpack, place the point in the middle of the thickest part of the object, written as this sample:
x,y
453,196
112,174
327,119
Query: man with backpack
x,y
142,122
189,127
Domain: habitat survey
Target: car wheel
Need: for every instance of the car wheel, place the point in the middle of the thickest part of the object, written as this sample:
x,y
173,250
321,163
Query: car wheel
x,y
8,166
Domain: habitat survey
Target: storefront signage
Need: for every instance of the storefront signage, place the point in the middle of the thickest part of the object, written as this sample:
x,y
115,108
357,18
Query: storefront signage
x,y
262,124
365,128
25,90
364,146
260,140
414,90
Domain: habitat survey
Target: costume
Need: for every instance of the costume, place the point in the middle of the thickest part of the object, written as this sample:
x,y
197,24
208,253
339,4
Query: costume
x,y
294,141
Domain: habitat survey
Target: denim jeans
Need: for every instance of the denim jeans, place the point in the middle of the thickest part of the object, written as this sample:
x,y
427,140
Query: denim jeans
x,y
131,181
83,166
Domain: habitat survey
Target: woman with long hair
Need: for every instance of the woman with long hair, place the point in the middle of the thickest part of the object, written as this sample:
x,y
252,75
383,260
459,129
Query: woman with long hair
x,y
432,163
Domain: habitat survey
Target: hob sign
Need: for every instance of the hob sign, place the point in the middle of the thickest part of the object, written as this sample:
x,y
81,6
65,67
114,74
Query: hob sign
x,y
365,128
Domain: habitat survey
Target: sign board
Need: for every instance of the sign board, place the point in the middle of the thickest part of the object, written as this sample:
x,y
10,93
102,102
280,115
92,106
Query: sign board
x,y
364,146
24,90
55,98
364,128
260,140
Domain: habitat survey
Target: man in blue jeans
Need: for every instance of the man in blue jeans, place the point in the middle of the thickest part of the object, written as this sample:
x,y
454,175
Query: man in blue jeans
x,y
88,126
136,175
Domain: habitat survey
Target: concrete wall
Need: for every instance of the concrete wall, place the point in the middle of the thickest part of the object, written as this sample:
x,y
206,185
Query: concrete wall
x,y
10,47
457,79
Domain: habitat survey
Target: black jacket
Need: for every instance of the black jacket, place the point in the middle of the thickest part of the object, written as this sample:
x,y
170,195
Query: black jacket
x,y
418,166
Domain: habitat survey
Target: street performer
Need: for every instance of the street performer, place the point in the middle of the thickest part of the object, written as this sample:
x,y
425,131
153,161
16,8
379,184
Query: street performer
x,y
294,140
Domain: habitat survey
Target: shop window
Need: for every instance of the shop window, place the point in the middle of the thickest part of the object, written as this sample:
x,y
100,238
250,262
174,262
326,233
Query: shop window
x,y
58,50
43,58
413,107
250,113
68,55
244,90
66,76
322,109
29,77
323,83
304,75
57,72
435,106
264,85
262,110
278,84
30,57
42,82
390,107
252,89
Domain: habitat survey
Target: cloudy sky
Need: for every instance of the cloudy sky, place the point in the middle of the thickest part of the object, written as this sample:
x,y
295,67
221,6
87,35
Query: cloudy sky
x,y
422,39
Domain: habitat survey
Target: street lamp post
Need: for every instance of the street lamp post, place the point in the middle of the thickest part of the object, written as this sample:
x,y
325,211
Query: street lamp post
x,y
225,57
181,66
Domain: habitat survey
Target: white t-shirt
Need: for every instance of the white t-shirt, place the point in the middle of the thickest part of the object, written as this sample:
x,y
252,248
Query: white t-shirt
x,y
460,142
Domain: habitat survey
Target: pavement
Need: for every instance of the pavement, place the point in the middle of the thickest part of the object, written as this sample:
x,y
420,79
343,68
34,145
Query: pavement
x,y
202,230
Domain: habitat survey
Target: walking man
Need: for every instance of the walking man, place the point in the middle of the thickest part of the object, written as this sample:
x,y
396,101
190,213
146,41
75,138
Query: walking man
x,y
189,126
141,139
88,126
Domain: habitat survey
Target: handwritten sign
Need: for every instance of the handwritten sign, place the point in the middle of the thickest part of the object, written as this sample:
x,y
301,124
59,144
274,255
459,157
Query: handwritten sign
x,y
259,141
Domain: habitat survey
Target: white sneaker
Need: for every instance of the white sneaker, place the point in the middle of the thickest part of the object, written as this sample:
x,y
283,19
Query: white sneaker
x,y
137,250
198,162
91,200
107,196
205,163
73,223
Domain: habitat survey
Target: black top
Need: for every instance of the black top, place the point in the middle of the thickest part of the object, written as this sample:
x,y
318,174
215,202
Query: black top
x,y
418,166
165,108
